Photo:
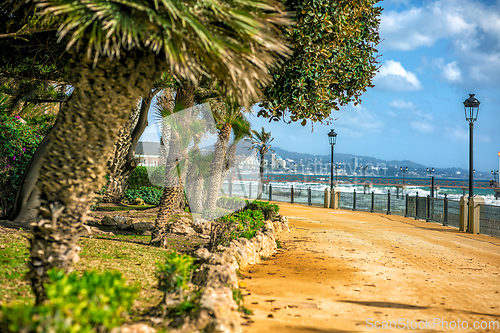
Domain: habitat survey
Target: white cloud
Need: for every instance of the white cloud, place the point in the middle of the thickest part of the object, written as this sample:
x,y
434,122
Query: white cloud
x,y
456,133
422,127
357,120
471,29
427,116
402,104
392,76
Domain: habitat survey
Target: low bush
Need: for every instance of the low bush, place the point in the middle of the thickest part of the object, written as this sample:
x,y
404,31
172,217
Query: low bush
x,y
244,223
270,211
94,302
19,140
139,178
231,203
150,195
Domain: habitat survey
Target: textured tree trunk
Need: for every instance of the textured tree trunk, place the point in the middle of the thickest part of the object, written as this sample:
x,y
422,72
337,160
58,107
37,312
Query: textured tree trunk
x,y
117,183
217,168
229,162
261,176
80,147
173,185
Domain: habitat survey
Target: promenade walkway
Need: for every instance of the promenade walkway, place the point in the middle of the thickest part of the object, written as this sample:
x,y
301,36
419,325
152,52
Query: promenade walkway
x,y
344,271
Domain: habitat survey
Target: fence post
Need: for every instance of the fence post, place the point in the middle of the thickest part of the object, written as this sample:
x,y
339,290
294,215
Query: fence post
x,y
291,195
373,202
270,192
416,207
445,208
354,200
389,202
309,196
406,205
428,209
326,198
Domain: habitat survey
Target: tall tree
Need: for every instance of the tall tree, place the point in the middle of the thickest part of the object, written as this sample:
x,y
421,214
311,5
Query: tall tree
x,y
114,50
225,115
261,144
334,59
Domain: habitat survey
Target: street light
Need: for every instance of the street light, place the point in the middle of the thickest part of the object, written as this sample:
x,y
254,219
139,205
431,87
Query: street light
x,y
332,138
471,107
430,171
495,175
404,170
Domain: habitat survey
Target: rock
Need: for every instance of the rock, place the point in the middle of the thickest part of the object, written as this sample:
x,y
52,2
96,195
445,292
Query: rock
x,y
202,253
185,220
180,228
139,202
219,301
142,226
222,325
120,219
202,226
216,276
136,328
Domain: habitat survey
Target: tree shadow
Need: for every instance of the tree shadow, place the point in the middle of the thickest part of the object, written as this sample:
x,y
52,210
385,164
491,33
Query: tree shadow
x,y
392,305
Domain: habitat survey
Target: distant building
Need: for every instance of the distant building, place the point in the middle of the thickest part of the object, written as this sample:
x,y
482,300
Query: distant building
x,y
148,152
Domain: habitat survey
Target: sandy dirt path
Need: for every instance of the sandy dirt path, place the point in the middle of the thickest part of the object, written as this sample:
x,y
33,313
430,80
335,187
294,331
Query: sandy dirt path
x,y
344,271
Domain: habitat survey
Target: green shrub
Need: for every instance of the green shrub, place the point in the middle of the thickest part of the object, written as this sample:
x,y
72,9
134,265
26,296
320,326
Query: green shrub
x,y
270,211
150,195
232,203
240,224
93,302
175,274
18,143
156,175
139,178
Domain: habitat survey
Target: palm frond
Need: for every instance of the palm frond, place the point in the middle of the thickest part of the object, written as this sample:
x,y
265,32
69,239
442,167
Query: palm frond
x,y
234,41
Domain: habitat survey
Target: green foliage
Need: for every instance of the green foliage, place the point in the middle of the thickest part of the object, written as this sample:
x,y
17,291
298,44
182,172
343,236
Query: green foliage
x,y
92,302
333,63
156,175
241,224
238,298
269,210
231,203
139,178
150,195
278,244
175,274
18,142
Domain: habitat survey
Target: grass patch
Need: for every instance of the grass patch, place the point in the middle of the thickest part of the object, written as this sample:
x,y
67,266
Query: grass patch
x,y
123,208
13,258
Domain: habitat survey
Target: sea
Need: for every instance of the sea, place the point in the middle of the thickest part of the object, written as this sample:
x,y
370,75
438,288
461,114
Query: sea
x,y
241,188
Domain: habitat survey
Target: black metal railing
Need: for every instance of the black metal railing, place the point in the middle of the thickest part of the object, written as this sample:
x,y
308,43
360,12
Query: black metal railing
x,y
437,210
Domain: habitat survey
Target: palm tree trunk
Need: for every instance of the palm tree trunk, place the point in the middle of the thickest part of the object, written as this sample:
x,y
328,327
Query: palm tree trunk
x,y
229,162
261,176
217,168
173,185
80,147
118,176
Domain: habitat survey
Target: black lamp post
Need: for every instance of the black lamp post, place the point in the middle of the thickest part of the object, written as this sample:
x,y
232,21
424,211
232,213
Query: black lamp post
x,y
332,138
471,107
495,175
404,170
430,171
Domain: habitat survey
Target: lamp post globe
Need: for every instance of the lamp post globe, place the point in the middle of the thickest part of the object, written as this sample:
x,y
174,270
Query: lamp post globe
x,y
332,139
471,107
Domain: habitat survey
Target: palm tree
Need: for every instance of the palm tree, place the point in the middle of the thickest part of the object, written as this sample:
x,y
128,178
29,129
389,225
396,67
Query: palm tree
x,y
117,51
261,144
225,115
198,171
241,129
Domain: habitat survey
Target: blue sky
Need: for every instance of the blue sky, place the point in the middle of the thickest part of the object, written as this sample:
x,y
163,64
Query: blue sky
x,y
433,54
